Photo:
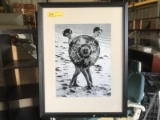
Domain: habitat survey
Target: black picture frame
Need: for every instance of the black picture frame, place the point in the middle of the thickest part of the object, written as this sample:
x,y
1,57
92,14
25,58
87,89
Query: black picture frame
x,y
50,14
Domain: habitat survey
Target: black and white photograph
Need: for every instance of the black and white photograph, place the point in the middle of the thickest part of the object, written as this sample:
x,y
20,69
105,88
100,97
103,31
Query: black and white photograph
x,y
83,60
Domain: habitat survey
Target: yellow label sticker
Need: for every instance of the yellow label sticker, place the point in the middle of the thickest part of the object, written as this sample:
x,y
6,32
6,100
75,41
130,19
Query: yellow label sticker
x,y
55,14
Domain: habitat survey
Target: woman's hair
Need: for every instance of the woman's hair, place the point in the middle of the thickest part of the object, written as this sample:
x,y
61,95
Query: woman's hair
x,y
66,31
96,29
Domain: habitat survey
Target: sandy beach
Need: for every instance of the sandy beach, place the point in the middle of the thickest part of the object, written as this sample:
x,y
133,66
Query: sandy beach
x,y
101,71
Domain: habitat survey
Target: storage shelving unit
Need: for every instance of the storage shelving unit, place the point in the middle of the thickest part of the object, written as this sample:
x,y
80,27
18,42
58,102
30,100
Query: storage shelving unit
x,y
144,27
4,48
141,3
144,14
12,94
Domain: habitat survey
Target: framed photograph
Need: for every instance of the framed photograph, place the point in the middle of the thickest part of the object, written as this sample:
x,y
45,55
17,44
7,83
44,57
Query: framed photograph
x,y
83,59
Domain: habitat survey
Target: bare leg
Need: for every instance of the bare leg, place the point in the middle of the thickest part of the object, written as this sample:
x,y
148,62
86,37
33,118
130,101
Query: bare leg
x,y
75,81
87,78
74,78
89,75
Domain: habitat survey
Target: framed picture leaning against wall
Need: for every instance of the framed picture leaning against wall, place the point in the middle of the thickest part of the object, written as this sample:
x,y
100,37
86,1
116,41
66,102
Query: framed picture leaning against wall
x,y
83,59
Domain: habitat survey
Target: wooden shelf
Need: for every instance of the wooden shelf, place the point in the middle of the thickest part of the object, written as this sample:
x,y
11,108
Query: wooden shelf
x,y
27,113
24,91
147,23
22,31
2,94
4,115
147,30
148,18
21,64
142,3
